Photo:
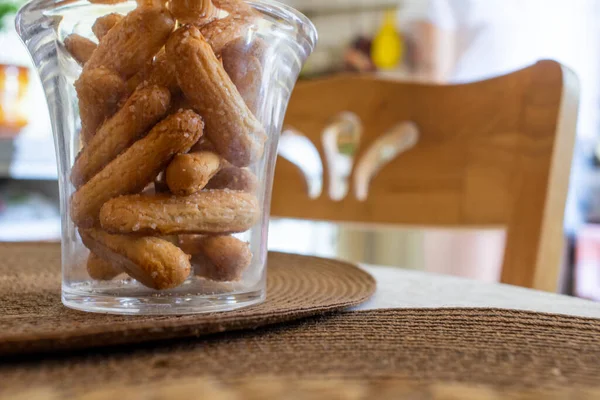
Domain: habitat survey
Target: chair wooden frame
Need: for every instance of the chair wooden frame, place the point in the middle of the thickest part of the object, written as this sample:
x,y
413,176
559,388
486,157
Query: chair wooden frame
x,y
494,152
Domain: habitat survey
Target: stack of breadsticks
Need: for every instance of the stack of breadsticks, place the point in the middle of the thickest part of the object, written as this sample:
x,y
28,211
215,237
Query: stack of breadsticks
x,y
168,126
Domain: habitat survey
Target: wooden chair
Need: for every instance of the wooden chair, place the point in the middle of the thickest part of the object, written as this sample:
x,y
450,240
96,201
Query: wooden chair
x,y
494,152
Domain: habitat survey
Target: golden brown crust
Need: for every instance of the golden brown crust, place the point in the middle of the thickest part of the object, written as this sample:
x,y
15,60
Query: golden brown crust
x,y
133,42
222,31
163,73
236,133
158,72
100,269
142,110
152,261
197,12
204,144
151,3
105,23
221,258
80,48
234,178
189,244
234,7
243,48
99,91
215,212
245,71
189,173
137,166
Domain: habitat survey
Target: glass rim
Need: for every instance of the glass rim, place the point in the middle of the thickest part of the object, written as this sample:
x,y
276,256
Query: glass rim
x,y
307,34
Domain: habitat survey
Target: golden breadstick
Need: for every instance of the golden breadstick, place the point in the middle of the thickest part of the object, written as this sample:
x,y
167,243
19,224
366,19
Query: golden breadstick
x,y
215,211
163,73
203,145
138,79
159,72
133,41
99,91
234,178
219,258
137,166
197,12
221,31
105,23
154,262
189,244
233,7
143,109
236,133
242,62
246,74
100,269
80,48
151,3
245,47
189,173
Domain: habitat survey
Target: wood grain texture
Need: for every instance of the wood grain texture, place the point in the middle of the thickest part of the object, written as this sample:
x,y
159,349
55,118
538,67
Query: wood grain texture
x,y
494,152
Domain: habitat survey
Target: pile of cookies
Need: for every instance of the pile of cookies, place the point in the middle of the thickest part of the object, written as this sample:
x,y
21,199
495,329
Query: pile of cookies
x,y
167,100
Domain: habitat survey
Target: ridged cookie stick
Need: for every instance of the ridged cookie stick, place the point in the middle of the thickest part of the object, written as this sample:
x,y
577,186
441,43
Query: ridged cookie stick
x,y
105,23
197,12
142,111
133,41
242,62
99,91
215,212
80,48
100,269
137,166
235,132
222,31
156,263
234,178
189,173
218,258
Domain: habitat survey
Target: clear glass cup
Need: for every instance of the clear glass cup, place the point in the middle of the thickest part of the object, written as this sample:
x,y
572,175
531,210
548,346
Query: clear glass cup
x,y
160,244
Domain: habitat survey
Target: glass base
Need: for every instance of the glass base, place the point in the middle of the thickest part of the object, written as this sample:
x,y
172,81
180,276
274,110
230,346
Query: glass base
x,y
159,304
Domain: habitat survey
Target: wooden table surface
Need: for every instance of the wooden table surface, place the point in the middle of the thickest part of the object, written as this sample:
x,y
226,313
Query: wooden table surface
x,y
401,288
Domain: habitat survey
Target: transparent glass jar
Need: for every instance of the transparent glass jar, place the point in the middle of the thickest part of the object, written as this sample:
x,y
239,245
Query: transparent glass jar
x,y
165,174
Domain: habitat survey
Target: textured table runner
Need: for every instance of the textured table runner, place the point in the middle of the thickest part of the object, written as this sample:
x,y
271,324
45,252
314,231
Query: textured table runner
x,y
492,348
32,318
495,348
275,388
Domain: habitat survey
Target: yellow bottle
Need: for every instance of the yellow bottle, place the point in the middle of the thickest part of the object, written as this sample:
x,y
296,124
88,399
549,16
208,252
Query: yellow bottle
x,y
387,48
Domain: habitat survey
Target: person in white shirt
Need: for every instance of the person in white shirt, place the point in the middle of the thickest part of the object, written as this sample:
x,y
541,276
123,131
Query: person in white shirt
x,y
465,40
460,41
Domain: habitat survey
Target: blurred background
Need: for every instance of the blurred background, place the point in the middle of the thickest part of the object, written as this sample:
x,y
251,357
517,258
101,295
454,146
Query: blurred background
x,y
440,41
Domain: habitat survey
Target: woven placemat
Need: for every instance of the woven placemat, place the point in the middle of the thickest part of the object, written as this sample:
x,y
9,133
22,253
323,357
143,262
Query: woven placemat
x,y
499,349
32,318
276,388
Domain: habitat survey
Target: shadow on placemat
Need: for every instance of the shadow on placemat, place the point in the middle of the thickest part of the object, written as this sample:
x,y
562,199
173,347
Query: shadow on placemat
x,y
32,318
496,348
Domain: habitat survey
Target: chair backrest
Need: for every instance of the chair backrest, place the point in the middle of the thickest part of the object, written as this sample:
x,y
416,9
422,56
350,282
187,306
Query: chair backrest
x,y
494,152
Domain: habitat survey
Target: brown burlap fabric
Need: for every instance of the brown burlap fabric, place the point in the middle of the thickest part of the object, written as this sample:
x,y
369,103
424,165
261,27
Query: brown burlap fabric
x,y
32,318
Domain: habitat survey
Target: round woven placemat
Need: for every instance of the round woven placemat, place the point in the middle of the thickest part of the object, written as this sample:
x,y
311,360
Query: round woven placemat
x,y
33,319
499,349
